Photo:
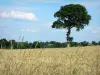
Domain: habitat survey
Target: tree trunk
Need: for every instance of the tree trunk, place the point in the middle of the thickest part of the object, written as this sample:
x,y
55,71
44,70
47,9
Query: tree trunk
x,y
68,35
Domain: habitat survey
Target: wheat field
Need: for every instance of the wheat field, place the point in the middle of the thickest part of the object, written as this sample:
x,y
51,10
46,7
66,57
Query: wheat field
x,y
51,61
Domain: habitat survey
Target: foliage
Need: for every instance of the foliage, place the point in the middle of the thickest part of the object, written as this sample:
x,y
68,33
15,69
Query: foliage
x,y
94,43
69,16
38,44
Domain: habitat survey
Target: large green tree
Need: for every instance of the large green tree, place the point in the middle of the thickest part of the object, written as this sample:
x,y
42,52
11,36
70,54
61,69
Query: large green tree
x,y
69,16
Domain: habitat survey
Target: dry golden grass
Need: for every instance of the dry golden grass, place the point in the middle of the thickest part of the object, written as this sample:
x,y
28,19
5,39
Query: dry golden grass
x,y
55,61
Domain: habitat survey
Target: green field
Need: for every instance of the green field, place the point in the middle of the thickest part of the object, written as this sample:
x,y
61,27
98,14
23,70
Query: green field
x,y
51,61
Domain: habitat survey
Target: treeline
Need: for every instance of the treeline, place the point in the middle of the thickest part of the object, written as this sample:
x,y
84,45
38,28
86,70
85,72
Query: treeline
x,y
7,44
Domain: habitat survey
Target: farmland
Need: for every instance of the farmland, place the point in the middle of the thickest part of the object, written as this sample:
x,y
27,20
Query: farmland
x,y
51,61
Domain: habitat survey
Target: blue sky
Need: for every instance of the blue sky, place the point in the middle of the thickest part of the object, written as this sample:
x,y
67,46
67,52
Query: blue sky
x,y
33,19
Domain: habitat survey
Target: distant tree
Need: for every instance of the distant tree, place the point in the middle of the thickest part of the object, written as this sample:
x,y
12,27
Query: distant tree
x,y
58,45
63,44
84,43
73,44
26,45
15,45
99,43
46,44
41,44
52,44
0,43
4,43
69,16
36,44
94,43
30,45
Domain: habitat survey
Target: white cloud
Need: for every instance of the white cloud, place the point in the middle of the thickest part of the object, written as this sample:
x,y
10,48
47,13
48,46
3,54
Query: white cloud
x,y
18,15
30,30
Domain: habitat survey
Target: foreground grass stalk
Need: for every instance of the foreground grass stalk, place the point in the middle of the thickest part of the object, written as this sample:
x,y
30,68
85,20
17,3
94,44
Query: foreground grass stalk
x,y
55,61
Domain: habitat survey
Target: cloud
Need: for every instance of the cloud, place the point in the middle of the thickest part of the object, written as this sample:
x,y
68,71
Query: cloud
x,y
18,8
30,30
46,1
95,30
18,15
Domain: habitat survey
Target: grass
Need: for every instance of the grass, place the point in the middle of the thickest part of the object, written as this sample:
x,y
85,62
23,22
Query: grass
x,y
51,61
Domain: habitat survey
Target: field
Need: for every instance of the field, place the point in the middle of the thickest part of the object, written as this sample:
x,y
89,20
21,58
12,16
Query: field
x,y
51,61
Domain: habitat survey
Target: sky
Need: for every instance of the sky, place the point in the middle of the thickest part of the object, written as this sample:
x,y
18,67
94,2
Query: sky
x,y
32,19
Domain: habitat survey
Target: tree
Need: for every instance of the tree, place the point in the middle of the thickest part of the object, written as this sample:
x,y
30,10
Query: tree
x,y
30,45
4,43
99,43
69,16
74,44
84,43
94,43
